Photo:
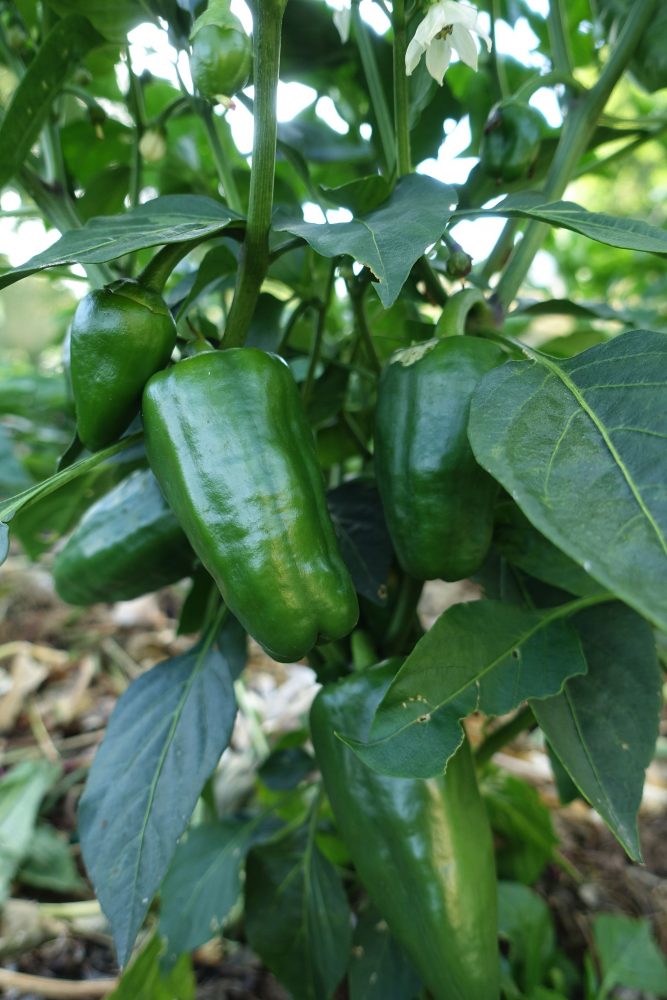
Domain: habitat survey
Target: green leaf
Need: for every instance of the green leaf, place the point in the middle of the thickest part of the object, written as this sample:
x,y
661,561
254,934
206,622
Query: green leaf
x,y
112,20
628,955
49,864
629,234
145,979
580,446
203,883
21,792
358,520
66,44
389,239
379,968
485,655
604,726
523,546
297,916
164,738
525,922
170,219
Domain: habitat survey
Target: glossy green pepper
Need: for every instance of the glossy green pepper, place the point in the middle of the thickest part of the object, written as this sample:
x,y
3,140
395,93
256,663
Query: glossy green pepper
x,y
511,140
221,57
127,544
228,440
422,849
121,335
437,500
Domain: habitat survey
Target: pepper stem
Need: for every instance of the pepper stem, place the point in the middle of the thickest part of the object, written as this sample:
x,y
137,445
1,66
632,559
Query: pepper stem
x,y
453,318
156,273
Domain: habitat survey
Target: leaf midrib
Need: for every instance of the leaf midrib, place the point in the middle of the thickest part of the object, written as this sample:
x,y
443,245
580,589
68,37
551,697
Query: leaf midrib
x,y
573,388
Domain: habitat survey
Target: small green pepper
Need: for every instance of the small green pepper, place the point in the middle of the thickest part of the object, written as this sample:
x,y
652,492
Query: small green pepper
x,y
121,335
229,443
221,57
511,140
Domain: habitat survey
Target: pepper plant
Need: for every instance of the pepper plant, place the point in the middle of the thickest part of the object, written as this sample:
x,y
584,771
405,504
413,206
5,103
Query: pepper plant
x,y
311,419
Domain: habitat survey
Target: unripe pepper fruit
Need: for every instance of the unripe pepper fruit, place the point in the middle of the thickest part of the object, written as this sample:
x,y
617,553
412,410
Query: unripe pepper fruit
x,y
229,443
511,140
221,58
121,335
437,500
422,849
127,544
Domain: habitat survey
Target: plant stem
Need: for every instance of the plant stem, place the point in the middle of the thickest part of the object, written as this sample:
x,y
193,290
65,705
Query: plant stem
x,y
221,157
135,101
560,45
254,260
404,614
504,734
375,89
401,91
319,335
361,324
575,135
501,75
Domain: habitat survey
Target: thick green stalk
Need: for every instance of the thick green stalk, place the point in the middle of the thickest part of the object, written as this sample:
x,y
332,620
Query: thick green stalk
x,y
574,139
267,24
401,91
375,89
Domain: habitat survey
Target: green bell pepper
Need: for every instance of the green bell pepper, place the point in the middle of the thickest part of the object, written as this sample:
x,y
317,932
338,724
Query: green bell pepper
x,y
422,849
438,501
121,335
228,440
127,544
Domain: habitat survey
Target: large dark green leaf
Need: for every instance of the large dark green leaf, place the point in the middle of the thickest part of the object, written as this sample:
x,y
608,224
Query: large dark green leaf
x,y
630,234
522,545
170,219
604,726
204,883
163,740
581,447
484,654
65,46
297,916
389,239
